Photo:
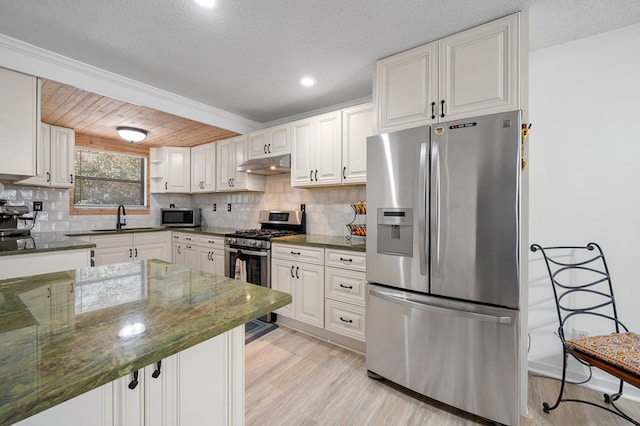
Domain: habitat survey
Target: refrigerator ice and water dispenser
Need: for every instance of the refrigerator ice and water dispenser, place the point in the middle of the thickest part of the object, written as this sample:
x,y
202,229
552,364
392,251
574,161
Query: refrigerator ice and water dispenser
x,y
395,231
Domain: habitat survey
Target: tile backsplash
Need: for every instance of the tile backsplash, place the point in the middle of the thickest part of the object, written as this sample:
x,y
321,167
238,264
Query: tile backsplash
x,y
328,209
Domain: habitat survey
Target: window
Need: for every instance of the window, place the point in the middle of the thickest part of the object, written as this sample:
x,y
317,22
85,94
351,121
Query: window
x,y
108,179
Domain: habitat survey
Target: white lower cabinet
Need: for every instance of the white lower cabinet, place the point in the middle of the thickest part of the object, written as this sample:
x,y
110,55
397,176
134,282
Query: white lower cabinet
x,y
131,246
303,280
345,284
202,385
203,253
43,263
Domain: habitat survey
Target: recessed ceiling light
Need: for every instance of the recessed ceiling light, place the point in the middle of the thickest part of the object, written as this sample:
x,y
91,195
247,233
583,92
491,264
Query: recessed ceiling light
x,y
206,3
308,81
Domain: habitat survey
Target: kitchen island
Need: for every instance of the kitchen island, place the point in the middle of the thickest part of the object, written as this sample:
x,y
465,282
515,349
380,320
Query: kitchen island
x,y
96,336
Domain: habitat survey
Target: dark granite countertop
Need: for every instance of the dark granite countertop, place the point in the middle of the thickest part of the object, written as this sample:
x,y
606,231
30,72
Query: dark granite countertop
x,y
326,241
206,230
40,242
47,359
125,230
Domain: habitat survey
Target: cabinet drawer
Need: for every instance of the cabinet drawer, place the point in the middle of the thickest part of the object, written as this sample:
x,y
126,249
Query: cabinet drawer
x,y
151,237
344,285
345,319
298,253
211,242
104,241
184,238
346,259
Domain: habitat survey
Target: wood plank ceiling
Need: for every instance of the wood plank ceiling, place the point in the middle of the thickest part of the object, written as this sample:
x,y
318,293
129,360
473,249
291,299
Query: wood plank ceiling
x,y
98,116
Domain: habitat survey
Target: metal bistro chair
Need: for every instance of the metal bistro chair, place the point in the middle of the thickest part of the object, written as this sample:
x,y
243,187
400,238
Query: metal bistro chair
x,y
582,288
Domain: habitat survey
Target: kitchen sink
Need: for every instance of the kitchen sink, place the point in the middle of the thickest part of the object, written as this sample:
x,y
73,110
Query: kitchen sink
x,y
127,229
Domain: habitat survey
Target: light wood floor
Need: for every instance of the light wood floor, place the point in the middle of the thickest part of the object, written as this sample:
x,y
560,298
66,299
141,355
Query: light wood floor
x,y
295,379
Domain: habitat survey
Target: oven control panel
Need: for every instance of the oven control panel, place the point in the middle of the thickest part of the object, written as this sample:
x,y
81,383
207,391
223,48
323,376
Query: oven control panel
x,y
247,242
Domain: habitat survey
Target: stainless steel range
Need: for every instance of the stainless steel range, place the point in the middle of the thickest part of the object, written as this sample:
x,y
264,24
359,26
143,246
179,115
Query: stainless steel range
x,y
250,249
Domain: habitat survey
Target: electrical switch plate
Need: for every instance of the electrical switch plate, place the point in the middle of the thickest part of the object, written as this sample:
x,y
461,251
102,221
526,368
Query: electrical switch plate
x,y
303,207
214,207
37,206
228,207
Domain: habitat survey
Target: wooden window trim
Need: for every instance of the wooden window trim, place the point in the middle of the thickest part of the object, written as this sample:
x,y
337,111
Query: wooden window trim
x,y
103,144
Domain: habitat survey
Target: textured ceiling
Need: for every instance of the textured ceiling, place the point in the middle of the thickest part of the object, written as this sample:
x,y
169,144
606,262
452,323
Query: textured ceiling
x,y
246,57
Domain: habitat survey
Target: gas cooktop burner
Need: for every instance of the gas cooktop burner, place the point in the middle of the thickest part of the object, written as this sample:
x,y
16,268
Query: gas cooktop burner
x,y
263,233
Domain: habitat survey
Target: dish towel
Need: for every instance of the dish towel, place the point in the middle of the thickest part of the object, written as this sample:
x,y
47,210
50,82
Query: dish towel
x,y
241,270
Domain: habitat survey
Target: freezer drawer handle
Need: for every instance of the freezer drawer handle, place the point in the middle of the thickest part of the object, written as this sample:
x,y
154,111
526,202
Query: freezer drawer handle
x,y
348,287
344,320
424,307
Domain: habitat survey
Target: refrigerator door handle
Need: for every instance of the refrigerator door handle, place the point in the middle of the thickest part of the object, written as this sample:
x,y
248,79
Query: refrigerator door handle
x,y
450,311
422,209
435,210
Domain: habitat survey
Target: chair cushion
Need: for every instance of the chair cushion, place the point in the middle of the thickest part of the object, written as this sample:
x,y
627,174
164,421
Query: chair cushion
x,y
620,349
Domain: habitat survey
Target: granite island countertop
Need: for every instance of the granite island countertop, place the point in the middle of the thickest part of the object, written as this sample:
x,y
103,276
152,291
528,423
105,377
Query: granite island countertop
x,y
46,359
41,242
326,241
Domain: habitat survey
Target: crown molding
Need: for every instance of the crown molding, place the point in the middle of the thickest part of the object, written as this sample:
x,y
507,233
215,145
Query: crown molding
x,y
26,58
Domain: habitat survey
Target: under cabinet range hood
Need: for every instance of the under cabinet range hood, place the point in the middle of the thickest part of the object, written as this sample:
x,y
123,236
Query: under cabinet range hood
x,y
267,166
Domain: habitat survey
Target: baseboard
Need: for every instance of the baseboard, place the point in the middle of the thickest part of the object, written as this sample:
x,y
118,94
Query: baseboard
x,y
597,382
322,334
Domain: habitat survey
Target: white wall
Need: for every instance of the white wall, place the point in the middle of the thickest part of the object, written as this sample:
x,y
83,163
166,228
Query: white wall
x,y
585,173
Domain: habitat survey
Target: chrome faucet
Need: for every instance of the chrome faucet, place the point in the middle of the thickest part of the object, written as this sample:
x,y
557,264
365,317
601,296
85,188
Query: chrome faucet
x,y
121,221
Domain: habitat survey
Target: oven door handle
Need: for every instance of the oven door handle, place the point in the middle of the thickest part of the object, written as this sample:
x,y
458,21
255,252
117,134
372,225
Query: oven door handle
x,y
247,252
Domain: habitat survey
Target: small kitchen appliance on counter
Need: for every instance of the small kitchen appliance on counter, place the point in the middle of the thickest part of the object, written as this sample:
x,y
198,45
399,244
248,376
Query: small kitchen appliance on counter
x,y
9,216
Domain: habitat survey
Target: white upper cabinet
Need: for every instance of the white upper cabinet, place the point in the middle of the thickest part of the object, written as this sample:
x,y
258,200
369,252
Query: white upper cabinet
x,y
479,70
406,88
316,150
475,72
54,158
19,121
230,153
357,126
269,142
170,169
203,168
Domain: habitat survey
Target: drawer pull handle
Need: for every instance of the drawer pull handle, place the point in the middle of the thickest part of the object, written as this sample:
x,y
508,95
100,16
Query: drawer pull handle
x,y
134,383
156,372
297,253
344,320
349,287
346,260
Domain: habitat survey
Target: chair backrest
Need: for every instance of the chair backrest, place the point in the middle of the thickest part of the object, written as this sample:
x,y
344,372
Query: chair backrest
x,y
581,285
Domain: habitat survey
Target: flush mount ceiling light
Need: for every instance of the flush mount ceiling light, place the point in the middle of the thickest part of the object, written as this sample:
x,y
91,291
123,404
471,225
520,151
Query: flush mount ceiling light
x,y
308,81
206,3
131,134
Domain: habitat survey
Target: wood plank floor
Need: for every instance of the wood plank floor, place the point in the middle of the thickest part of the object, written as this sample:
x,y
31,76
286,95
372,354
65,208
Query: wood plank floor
x,y
295,379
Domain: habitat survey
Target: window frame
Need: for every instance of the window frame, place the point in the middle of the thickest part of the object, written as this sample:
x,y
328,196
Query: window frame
x,y
101,144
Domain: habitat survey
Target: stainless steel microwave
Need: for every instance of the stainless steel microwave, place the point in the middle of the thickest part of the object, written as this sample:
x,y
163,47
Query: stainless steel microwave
x,y
180,217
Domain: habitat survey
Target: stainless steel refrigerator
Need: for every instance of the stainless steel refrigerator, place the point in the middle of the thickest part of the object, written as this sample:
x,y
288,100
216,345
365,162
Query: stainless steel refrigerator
x,y
443,253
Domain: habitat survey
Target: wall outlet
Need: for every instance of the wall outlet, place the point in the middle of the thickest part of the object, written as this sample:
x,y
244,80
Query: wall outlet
x,y
215,207
37,206
228,207
580,334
